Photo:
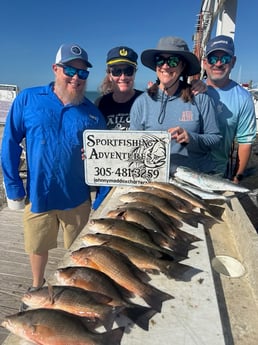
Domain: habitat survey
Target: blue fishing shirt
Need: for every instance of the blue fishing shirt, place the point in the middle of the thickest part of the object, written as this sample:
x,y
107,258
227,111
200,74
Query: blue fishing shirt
x,y
53,135
197,118
236,120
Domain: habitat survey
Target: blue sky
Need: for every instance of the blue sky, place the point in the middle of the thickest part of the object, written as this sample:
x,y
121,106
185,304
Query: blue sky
x,y
32,31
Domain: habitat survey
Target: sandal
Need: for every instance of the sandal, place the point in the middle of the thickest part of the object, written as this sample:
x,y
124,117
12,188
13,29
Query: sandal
x,y
33,288
24,306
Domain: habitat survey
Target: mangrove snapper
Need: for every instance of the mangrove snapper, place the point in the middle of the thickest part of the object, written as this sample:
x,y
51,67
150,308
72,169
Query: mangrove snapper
x,y
94,280
176,201
168,224
181,193
74,300
55,327
152,218
119,268
149,223
131,231
143,257
162,204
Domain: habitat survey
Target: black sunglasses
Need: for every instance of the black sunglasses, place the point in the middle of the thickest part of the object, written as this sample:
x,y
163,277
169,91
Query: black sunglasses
x,y
171,61
224,59
117,72
70,71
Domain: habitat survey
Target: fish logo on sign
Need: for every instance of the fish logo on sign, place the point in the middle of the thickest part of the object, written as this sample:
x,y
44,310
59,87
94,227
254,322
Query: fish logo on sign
x,y
151,154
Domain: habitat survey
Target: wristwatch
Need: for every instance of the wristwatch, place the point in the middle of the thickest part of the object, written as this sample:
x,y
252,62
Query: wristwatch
x,y
239,177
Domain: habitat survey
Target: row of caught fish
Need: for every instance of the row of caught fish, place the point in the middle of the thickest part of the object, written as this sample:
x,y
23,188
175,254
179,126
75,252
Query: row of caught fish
x,y
144,235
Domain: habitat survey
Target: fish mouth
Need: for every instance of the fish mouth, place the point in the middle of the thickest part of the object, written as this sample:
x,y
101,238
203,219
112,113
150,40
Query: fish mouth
x,y
4,323
7,324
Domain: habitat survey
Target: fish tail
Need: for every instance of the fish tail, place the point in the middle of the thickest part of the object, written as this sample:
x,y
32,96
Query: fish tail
x,y
218,210
180,234
140,315
194,218
188,238
174,269
154,297
209,219
178,247
170,230
190,219
108,317
113,337
229,203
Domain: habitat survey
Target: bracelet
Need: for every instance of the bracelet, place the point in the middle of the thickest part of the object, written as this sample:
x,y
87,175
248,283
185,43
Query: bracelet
x,y
239,177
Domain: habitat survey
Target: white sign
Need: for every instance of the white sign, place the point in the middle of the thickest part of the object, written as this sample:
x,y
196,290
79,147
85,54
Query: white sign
x,y
7,95
126,157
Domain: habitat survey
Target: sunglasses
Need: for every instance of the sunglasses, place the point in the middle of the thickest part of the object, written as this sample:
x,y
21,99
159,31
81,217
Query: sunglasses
x,y
171,61
70,71
224,59
117,72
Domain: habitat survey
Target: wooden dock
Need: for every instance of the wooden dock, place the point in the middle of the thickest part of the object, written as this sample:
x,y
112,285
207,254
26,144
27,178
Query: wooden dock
x,y
237,297
15,273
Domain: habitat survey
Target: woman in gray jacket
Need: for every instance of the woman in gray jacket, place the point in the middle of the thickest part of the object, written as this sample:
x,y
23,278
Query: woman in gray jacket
x,y
169,105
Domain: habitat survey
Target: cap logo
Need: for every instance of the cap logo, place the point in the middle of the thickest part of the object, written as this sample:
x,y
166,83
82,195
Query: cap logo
x,y
76,50
220,42
123,52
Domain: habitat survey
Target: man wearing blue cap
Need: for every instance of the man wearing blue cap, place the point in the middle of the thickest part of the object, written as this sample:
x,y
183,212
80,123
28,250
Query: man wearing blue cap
x,y
51,119
235,108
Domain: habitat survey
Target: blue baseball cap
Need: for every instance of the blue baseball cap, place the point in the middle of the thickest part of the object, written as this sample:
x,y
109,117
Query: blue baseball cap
x,y
221,42
122,54
69,52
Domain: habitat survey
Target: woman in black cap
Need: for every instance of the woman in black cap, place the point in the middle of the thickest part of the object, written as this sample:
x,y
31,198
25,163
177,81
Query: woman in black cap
x,y
170,105
117,88
118,95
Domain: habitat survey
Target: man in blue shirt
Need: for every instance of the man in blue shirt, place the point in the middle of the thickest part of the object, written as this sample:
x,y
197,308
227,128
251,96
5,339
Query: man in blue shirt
x,y
51,119
234,105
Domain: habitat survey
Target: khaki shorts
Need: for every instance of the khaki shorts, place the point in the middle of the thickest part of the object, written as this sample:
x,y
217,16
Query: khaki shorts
x,y
41,229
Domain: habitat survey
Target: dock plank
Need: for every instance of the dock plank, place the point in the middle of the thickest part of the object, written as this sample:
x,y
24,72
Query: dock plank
x,y
192,317
15,273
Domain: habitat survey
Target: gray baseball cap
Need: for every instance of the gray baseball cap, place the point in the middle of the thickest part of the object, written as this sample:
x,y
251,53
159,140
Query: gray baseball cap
x,y
69,52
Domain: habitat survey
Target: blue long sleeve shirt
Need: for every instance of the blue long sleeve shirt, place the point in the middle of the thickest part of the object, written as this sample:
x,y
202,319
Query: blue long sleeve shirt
x,y
53,135
197,118
236,118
